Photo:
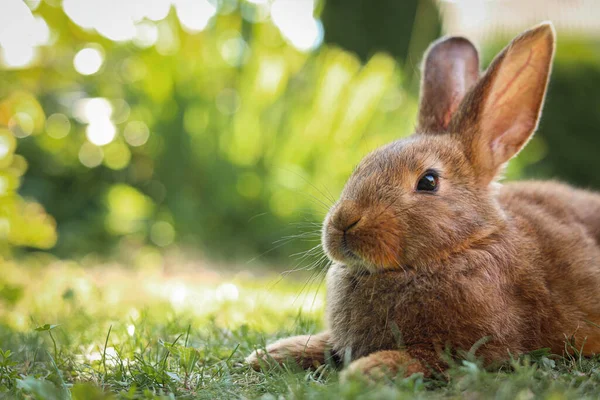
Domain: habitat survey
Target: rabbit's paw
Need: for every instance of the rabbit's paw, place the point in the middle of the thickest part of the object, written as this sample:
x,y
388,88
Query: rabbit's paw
x,y
382,364
257,358
276,353
308,351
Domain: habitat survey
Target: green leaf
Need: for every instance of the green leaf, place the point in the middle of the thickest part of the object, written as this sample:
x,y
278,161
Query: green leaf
x,y
46,327
40,389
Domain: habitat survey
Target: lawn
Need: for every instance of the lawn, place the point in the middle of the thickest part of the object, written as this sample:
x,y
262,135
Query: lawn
x,y
106,332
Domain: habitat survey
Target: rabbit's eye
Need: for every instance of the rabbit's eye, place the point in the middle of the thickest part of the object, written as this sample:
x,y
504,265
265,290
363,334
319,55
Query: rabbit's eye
x,y
428,182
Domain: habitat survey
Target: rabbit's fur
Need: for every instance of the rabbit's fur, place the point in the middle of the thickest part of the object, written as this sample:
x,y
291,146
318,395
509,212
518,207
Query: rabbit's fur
x,y
415,273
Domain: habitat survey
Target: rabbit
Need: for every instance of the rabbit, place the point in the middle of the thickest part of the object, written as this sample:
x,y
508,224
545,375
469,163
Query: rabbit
x,y
430,252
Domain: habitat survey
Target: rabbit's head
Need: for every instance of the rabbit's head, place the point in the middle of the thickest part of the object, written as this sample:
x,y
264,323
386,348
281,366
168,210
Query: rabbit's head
x,y
432,194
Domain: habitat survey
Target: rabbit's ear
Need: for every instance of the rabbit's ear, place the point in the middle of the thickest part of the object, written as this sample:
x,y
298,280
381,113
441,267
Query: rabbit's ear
x,y
450,69
501,113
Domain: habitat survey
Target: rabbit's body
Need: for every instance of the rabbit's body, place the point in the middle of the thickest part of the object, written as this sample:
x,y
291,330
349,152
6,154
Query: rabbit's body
x,y
431,253
512,287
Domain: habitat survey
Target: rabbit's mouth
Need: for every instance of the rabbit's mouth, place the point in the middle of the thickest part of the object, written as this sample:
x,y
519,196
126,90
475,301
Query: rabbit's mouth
x,y
359,251
363,237
349,255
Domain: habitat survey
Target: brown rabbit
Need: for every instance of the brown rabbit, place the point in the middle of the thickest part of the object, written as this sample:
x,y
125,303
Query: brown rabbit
x,y
430,252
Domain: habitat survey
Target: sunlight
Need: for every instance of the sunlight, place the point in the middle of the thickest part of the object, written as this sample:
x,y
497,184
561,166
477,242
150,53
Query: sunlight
x,y
20,34
296,22
5,147
114,19
178,295
97,113
101,132
270,73
146,34
93,109
154,10
101,15
18,56
88,61
128,21
227,292
40,31
255,11
108,356
234,50
336,79
168,38
194,15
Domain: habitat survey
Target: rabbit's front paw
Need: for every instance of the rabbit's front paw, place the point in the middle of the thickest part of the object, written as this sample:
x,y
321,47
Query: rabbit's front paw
x,y
276,353
382,364
257,358
307,351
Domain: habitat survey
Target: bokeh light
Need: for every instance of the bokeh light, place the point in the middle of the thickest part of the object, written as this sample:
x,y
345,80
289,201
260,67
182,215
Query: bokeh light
x,y
128,209
136,133
20,34
40,31
255,11
146,34
228,101
162,233
88,61
234,49
97,113
101,132
194,14
168,38
58,126
101,15
90,155
117,155
18,165
227,292
18,56
120,111
21,124
89,110
296,22
7,147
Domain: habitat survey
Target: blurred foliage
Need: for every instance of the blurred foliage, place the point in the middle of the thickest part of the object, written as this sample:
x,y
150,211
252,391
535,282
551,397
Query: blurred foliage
x,y
22,223
571,120
402,28
223,139
243,132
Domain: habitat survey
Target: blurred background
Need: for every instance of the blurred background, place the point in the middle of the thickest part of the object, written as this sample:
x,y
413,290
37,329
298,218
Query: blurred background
x,y
222,130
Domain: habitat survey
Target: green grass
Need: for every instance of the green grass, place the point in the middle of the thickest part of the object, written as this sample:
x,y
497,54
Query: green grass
x,y
108,333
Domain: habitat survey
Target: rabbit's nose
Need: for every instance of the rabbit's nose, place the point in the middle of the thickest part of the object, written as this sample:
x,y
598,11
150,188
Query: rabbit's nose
x,y
347,216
